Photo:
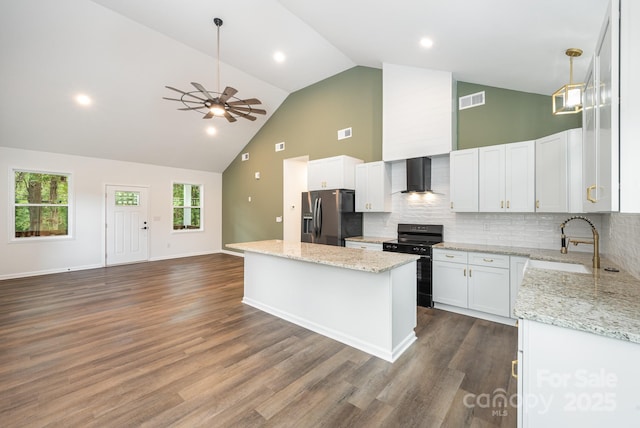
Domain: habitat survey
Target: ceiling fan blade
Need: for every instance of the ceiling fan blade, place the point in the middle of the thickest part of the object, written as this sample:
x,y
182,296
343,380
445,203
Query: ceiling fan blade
x,y
184,93
249,110
209,115
202,89
229,117
228,93
182,101
192,108
245,102
241,114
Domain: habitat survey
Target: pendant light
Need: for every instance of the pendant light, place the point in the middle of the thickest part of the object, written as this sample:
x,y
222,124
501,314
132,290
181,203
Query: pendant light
x,y
568,99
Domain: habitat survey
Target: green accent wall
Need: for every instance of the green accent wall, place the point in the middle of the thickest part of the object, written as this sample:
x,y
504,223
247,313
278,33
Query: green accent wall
x,y
507,117
307,121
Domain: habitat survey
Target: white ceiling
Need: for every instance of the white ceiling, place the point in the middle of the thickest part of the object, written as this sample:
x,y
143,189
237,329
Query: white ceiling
x,y
122,53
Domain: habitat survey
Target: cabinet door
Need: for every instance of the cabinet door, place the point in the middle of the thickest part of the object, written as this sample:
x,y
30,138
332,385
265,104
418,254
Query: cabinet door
x,y
450,283
492,178
551,174
315,175
379,186
362,187
334,173
489,290
464,180
520,176
373,187
602,131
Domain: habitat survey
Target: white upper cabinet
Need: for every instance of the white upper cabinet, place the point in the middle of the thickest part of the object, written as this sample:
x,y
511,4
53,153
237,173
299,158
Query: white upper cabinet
x,y
629,108
463,169
373,187
418,112
336,172
507,177
559,172
600,120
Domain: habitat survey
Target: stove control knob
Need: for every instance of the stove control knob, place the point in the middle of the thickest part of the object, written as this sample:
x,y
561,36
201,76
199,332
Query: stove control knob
x,y
415,249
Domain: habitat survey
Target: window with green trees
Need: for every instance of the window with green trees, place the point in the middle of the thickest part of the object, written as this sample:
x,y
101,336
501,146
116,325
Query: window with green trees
x,y
41,204
187,206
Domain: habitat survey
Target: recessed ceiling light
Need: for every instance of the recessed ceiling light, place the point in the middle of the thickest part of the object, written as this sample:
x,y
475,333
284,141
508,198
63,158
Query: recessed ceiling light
x,y
211,130
83,99
279,56
426,42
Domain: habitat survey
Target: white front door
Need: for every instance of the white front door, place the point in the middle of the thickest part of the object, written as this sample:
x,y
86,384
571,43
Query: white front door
x,y
126,224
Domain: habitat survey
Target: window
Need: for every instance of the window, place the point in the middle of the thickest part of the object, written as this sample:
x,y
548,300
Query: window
x,y
187,206
41,204
129,199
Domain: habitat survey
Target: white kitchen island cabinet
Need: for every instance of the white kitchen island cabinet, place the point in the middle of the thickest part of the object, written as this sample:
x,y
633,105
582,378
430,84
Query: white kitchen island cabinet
x,y
365,299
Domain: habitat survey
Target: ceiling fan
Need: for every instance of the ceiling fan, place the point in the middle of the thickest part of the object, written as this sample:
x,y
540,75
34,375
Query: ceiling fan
x,y
213,104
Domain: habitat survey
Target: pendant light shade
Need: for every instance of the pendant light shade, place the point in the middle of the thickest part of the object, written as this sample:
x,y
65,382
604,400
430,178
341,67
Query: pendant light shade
x,y
568,99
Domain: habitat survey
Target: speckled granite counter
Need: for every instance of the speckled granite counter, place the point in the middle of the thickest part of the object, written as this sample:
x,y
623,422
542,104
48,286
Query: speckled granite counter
x,y
604,303
369,239
348,258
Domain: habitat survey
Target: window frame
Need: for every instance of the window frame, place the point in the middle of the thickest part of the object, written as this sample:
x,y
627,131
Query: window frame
x,y
201,207
11,227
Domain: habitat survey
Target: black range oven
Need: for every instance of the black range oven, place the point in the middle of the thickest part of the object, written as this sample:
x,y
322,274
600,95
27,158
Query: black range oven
x,y
418,239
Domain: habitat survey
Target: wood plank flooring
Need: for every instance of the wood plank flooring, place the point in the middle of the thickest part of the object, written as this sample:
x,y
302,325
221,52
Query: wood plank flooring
x,y
169,343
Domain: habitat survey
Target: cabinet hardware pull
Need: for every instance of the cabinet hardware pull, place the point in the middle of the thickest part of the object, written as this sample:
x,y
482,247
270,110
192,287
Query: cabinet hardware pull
x,y
513,368
501,204
449,256
469,272
517,323
451,205
464,272
488,260
537,204
589,197
507,204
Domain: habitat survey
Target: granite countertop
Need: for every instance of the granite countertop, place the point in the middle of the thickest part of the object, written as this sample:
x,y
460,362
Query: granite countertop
x,y
348,258
369,239
604,303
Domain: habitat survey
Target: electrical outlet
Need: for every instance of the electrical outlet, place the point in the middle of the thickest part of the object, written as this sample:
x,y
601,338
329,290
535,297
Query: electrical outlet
x,y
279,219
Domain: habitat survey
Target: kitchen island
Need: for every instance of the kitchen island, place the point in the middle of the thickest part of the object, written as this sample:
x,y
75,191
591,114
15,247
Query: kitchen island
x,y
365,299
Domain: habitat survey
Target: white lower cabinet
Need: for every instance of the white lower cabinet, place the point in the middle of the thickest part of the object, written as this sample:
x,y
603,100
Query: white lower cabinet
x,y
476,281
571,378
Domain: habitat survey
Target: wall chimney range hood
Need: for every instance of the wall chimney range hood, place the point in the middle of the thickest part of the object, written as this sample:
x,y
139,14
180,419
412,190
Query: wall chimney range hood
x,y
418,175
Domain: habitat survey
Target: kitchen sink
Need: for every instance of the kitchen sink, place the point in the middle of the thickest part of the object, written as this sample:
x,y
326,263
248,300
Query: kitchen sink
x,y
561,266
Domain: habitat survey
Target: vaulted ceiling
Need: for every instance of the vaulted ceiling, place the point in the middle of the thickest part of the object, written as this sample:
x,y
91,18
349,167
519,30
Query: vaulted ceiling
x,y
122,53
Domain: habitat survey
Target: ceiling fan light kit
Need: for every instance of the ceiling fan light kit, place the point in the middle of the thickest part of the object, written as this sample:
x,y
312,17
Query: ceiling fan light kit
x,y
568,99
217,104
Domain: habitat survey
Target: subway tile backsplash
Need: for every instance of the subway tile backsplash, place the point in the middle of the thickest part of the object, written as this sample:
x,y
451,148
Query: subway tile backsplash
x,y
517,230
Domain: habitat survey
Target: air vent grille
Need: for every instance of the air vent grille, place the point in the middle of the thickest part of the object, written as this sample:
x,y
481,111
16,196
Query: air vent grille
x,y
279,146
344,133
472,100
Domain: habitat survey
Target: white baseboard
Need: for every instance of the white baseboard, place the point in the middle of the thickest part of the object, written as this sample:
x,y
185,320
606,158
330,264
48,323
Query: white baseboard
x,y
232,253
48,271
476,314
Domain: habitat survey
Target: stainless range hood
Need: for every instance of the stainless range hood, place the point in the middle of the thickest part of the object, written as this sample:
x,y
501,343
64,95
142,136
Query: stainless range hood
x,y
418,175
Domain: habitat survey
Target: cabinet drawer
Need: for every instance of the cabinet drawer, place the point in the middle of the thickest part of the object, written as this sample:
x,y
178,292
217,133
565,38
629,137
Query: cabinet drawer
x,y
363,245
488,259
450,256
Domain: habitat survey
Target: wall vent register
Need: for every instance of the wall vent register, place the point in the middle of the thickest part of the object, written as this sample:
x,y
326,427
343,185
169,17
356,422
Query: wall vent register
x,y
472,100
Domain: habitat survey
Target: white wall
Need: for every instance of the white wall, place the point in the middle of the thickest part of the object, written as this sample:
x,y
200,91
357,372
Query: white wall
x,y
517,230
87,248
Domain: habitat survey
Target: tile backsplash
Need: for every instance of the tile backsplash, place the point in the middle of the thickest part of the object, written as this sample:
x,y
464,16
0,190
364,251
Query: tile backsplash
x,y
621,241
517,230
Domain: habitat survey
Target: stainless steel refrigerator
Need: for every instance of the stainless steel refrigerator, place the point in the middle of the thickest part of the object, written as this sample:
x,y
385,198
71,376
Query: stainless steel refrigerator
x,y
328,216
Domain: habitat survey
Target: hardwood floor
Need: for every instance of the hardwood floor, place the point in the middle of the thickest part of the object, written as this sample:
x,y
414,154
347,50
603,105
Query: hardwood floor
x,y
169,343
